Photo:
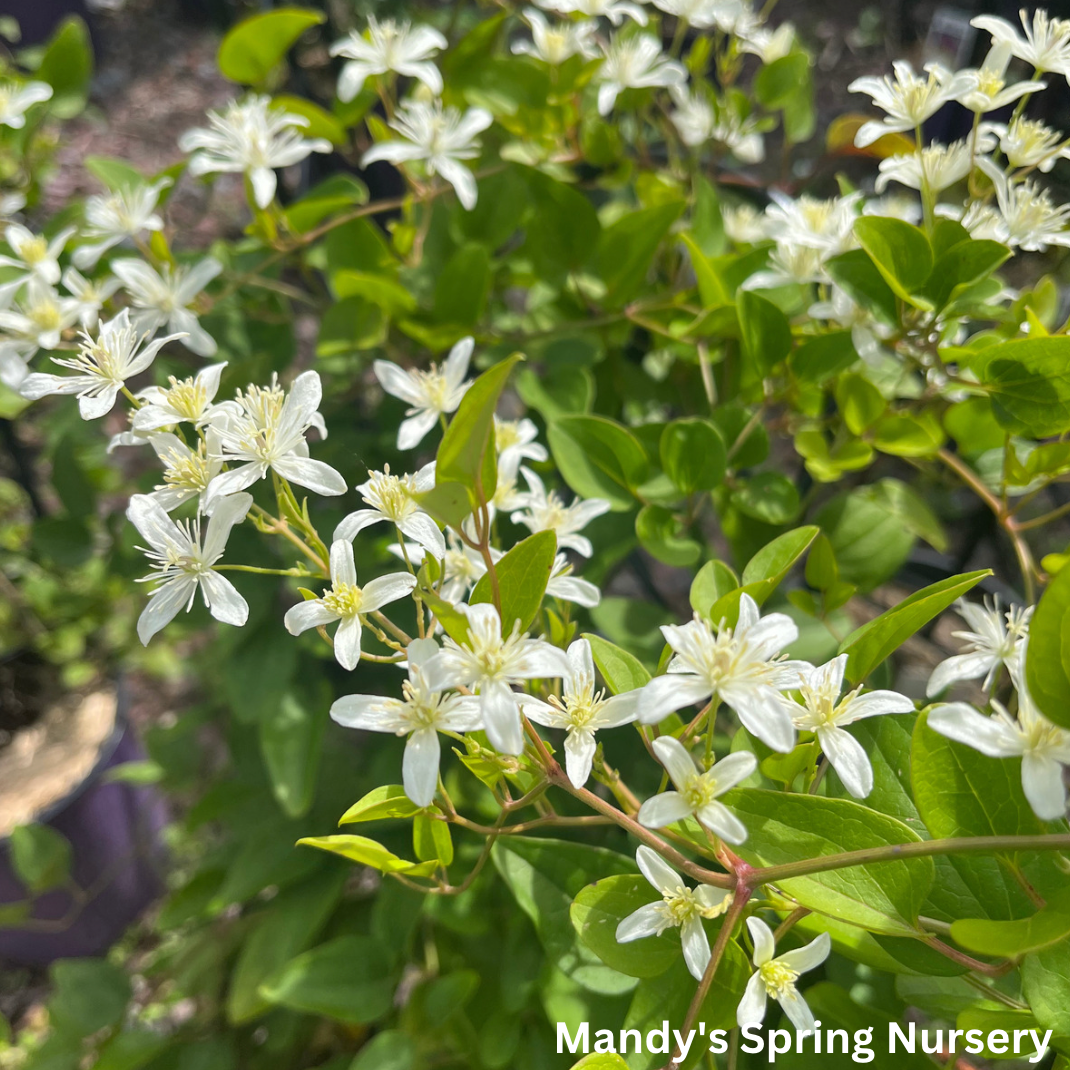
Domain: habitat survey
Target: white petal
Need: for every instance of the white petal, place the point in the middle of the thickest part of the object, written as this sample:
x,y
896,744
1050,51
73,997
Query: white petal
x,y
678,762
751,1009
648,920
397,381
964,724
696,947
461,179
264,183
798,1010
763,714
310,614
420,651
668,693
657,871
733,769
579,755
315,475
343,568
762,938
372,713
876,704
422,529
419,768
501,718
959,667
809,957
226,512
664,809
720,820
349,527
412,431
347,643
165,603
388,588
1042,782
848,758
224,602
456,366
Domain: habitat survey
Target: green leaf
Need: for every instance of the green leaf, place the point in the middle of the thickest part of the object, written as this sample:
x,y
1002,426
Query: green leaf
x,y
349,326
766,331
869,645
115,174
389,1050
466,452
367,852
961,266
463,285
1046,986
67,66
379,804
320,123
345,979
712,291
600,1062
431,840
661,535
773,561
628,247
130,1050
41,857
900,251
567,230
692,454
447,502
601,907
1010,939
561,390
989,1017
882,898
89,995
856,273
1047,659
544,877
1028,380
906,435
598,458
380,290
859,402
769,497
713,581
522,576
291,740
777,83
335,194
819,359
252,49
620,670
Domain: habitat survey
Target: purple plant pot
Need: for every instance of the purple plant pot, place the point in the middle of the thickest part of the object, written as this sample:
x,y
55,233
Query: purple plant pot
x,y
114,831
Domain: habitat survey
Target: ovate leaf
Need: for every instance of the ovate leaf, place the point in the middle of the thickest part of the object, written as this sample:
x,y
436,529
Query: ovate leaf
x,y
251,50
620,670
1047,662
522,576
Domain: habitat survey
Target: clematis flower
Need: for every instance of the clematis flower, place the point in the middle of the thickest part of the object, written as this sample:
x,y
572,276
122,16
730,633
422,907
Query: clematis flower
x,y
1044,43
462,567
183,564
1043,747
634,63
545,511
614,10
102,367
697,121
439,138
1029,143
90,295
1025,216
563,585
119,216
581,711
344,601
994,638
165,297
16,100
184,401
36,256
490,664
556,44
813,223
790,263
744,224
986,89
680,907
38,319
269,435
934,167
431,393
741,666
250,137
388,46
907,98
697,790
514,441
187,472
421,713
824,713
393,499
776,977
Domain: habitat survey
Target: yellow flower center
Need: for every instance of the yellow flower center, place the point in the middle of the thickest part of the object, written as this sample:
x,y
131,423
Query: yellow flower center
x,y
186,472
778,978
35,251
344,599
187,397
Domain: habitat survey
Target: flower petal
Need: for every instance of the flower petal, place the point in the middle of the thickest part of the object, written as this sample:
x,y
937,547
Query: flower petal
x,y
664,809
347,643
668,693
419,767
305,615
648,920
384,589
848,758
751,1009
658,872
677,761
762,938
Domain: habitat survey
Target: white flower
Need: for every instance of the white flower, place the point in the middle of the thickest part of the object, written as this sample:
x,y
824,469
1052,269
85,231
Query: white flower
x,y
39,319
1045,44
388,47
462,567
908,99
35,255
812,223
393,499
431,393
439,138
555,44
702,14
698,121
1025,218
562,584
581,711
491,664
165,297
183,564
1043,747
790,263
252,137
90,295
115,217
776,977
897,205
514,441
269,433
344,601
824,713
102,367
614,10
11,204
697,791
16,99
680,907
935,167
1029,143
634,63
184,401
986,90
545,511
994,638
741,666
743,223
186,472
768,45
420,714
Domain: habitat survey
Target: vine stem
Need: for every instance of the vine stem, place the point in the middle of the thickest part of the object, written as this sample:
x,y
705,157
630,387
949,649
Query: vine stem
x,y
739,902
